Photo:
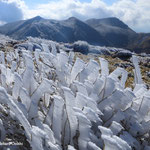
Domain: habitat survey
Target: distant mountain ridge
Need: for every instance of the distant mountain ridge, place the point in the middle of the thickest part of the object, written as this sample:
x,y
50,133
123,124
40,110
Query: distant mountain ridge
x,y
69,30
112,21
114,30
104,32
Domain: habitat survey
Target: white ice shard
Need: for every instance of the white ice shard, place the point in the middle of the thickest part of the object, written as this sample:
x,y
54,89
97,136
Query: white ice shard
x,y
111,141
54,50
5,98
57,118
2,131
45,86
104,67
45,48
89,71
120,72
77,68
84,126
92,146
137,73
70,103
116,127
17,86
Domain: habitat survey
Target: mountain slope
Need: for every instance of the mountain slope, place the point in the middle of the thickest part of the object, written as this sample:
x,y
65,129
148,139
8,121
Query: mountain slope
x,y
141,43
113,30
35,27
69,30
104,32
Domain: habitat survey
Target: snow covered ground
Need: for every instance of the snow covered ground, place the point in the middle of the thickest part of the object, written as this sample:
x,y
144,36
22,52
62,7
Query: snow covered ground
x,y
55,102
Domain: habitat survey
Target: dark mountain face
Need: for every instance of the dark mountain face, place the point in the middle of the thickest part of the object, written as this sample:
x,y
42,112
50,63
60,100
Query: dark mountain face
x,y
112,21
113,30
69,30
35,27
82,31
141,43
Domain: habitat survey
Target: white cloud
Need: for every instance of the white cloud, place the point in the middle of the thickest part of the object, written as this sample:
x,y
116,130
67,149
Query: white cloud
x,y
63,9
10,10
2,23
135,13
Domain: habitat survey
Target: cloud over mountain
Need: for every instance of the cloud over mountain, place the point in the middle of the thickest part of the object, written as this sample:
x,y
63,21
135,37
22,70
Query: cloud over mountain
x,y
10,11
135,13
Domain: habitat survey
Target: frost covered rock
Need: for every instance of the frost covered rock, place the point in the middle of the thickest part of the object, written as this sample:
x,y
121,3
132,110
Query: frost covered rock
x,y
81,46
28,46
123,54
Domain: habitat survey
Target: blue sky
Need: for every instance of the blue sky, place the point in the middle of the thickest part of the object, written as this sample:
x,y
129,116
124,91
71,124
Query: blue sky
x,y
32,3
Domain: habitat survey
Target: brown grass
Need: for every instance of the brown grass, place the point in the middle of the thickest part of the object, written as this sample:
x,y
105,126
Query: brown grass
x,y
112,61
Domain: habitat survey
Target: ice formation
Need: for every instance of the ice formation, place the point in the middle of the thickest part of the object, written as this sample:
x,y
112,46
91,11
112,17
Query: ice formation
x,y
66,103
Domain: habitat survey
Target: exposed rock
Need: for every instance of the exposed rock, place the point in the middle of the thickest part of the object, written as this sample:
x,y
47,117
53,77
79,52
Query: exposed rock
x,y
148,74
124,54
28,46
81,46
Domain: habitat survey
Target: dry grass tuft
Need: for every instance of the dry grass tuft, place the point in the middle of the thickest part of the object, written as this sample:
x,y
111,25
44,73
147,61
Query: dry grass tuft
x,y
114,62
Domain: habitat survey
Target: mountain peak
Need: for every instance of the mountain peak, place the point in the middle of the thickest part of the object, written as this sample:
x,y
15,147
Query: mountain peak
x,y
111,21
37,18
72,18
